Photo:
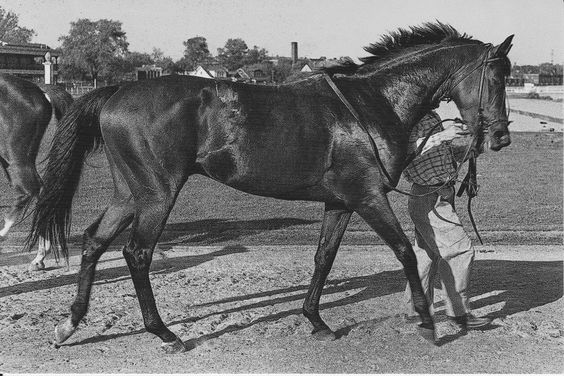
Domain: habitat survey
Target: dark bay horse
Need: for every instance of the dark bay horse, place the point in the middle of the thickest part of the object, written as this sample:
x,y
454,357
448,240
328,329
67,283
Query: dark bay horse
x,y
25,111
297,141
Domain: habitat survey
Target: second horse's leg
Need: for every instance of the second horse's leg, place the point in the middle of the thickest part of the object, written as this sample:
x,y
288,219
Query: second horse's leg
x,y
43,249
26,184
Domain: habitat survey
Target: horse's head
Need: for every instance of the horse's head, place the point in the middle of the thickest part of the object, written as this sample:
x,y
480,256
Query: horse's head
x,y
480,97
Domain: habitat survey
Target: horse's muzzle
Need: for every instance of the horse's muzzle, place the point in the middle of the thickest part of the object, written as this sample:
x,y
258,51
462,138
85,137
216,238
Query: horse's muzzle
x,y
499,140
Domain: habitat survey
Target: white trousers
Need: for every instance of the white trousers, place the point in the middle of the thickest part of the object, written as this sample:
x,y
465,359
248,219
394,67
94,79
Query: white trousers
x,y
443,249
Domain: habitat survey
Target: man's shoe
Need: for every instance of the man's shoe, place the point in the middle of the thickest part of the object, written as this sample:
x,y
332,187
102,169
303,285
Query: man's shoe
x,y
469,321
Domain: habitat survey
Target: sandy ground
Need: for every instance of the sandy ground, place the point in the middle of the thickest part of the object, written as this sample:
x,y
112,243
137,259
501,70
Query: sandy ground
x,y
238,309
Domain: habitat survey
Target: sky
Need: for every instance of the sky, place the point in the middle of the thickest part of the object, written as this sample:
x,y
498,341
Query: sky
x,y
330,28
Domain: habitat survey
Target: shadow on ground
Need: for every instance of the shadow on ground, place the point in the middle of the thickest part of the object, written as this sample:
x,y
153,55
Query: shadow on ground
x,y
196,233
542,285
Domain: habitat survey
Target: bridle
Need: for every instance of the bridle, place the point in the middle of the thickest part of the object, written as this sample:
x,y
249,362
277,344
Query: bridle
x,y
469,183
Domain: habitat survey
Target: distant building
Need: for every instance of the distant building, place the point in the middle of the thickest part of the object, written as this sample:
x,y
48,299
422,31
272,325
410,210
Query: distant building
x,y
550,79
211,71
147,72
531,78
33,61
258,73
306,68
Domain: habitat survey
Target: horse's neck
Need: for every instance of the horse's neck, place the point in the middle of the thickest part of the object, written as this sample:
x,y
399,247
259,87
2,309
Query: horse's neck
x,y
415,86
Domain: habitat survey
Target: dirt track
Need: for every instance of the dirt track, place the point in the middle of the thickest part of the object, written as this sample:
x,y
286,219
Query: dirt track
x,y
238,309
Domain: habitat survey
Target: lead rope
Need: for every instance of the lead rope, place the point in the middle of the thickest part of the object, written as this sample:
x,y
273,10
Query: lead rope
x,y
470,185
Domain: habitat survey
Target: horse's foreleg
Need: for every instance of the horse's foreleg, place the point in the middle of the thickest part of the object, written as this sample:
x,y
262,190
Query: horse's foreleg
x,y
376,211
148,224
96,240
335,222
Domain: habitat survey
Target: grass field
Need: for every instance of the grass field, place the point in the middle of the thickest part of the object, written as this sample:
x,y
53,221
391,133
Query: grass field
x,y
520,202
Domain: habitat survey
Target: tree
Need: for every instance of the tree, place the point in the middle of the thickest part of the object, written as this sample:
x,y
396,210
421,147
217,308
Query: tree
x,y
196,52
138,59
254,56
96,48
232,55
11,31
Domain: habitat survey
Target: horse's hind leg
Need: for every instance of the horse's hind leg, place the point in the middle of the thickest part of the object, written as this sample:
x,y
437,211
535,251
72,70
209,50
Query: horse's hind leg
x,y
96,240
335,222
150,219
26,184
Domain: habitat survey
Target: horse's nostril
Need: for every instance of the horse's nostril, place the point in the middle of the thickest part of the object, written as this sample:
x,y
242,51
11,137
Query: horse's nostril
x,y
499,134
502,138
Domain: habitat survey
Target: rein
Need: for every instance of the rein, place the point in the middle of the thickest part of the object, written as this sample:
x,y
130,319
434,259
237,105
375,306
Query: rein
x,y
409,158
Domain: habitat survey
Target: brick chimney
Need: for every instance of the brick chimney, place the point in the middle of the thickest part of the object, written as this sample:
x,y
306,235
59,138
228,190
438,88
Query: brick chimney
x,y
294,52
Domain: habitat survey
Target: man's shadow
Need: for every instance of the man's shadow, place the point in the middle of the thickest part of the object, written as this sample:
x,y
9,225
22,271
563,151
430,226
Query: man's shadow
x,y
524,284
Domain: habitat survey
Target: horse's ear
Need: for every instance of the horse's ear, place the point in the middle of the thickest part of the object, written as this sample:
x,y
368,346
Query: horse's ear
x,y
503,49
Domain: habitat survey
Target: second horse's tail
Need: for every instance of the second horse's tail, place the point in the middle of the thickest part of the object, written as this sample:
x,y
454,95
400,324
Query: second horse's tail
x,y
77,134
60,99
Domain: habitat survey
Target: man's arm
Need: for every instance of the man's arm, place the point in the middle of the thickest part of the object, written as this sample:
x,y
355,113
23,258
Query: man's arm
x,y
454,133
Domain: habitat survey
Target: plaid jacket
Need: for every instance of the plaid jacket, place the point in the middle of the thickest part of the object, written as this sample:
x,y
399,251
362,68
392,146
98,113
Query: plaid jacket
x,y
435,166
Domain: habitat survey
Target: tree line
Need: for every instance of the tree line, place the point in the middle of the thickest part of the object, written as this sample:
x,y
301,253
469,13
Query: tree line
x,y
99,50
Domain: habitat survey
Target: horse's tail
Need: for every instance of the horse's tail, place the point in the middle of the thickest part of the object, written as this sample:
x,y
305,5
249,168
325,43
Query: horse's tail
x,y
59,97
78,134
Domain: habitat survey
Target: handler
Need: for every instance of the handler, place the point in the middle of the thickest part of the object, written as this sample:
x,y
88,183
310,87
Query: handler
x,y
442,246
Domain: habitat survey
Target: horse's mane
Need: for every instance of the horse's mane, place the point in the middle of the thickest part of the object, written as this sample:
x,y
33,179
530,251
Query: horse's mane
x,y
393,43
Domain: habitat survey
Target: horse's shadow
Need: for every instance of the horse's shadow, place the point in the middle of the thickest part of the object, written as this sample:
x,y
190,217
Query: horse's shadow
x,y
494,275
213,231
110,275
202,232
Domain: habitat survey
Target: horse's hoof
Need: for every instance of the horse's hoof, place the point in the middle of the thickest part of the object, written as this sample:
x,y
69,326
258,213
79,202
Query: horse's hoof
x,y
324,335
427,334
36,266
174,347
63,331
